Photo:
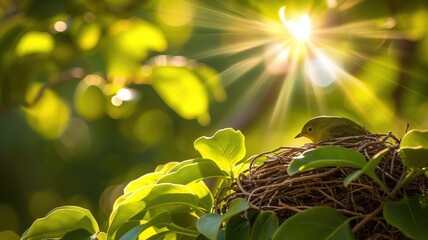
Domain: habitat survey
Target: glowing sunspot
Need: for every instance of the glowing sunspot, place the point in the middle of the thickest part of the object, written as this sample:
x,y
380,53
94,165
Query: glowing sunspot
x,y
300,28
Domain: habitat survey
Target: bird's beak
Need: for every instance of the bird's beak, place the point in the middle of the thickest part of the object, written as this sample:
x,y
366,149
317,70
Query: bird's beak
x,y
299,135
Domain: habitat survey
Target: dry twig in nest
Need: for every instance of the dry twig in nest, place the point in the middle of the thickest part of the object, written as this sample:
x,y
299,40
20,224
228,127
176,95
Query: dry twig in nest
x,y
267,186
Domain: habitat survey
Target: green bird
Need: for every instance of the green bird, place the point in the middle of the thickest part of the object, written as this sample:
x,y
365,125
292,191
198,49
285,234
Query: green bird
x,y
323,128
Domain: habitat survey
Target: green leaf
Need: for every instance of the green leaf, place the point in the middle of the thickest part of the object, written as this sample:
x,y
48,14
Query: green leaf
x,y
166,167
212,81
192,170
79,234
61,221
158,236
201,237
86,34
147,179
164,217
209,225
238,228
89,100
205,197
150,178
35,42
156,197
265,226
409,215
128,44
315,223
328,156
226,148
414,149
182,91
49,115
369,169
102,236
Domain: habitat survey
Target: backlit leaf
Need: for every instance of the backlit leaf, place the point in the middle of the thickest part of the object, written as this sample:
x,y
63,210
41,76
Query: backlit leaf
x,y
226,147
414,149
61,221
35,42
201,190
87,34
89,100
164,197
155,220
193,170
212,80
147,179
182,91
129,43
48,115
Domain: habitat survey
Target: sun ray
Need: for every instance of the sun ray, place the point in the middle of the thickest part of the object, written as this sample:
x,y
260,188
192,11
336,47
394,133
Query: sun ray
x,y
310,59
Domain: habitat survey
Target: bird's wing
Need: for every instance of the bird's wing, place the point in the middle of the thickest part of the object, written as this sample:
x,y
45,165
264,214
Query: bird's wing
x,y
344,130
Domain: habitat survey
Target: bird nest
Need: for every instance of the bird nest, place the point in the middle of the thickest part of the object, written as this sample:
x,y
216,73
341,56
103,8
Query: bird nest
x,y
266,185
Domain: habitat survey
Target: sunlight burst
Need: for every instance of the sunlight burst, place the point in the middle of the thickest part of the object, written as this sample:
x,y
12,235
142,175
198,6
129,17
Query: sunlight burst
x,y
300,59
300,28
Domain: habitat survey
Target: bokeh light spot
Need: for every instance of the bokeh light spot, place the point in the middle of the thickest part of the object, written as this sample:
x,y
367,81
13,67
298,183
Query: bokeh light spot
x,y
9,235
108,197
146,70
116,101
93,79
127,94
75,141
8,218
42,202
152,126
60,26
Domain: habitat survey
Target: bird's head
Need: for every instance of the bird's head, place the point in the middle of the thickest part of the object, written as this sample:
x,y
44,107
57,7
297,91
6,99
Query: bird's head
x,y
308,131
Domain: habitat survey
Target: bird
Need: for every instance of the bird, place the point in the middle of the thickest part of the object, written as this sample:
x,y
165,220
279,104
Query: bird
x,y
322,128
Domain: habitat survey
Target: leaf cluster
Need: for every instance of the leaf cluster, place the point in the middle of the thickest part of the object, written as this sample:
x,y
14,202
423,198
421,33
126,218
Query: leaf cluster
x,y
174,201
164,204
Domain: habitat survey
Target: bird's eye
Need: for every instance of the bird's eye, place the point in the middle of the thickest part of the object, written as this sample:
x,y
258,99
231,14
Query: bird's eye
x,y
309,129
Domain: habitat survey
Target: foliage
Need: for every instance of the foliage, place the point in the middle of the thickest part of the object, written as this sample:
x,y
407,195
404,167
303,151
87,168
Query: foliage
x,y
409,215
333,156
323,222
62,221
167,201
326,157
414,149
209,225
171,201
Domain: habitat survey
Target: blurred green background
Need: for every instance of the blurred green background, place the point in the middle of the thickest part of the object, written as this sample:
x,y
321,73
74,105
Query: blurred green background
x,y
96,93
